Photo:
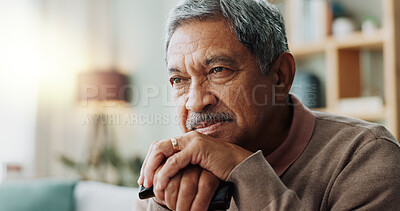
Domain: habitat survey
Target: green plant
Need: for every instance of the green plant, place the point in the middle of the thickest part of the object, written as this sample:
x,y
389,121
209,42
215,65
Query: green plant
x,y
105,163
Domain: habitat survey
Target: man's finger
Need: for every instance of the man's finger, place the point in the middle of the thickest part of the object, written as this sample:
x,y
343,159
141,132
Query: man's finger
x,y
159,194
172,190
208,184
188,187
159,152
172,166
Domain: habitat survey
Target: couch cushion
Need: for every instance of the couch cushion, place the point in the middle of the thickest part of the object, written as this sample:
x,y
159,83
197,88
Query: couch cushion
x,y
97,196
37,195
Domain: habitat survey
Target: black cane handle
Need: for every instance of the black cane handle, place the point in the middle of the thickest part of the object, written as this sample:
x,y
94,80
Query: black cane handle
x,y
220,201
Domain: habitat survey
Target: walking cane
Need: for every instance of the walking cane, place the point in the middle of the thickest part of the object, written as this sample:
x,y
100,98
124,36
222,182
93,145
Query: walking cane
x,y
220,201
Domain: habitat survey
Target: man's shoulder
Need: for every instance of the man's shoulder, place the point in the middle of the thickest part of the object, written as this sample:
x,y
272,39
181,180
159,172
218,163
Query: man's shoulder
x,y
342,162
349,128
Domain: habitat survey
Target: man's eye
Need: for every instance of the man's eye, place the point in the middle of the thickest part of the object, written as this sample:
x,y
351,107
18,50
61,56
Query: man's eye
x,y
217,69
175,80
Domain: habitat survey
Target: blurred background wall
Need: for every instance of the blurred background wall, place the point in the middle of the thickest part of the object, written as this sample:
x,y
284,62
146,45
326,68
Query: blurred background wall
x,y
45,44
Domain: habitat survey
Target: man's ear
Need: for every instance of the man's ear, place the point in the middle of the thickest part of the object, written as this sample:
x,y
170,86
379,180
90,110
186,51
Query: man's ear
x,y
284,69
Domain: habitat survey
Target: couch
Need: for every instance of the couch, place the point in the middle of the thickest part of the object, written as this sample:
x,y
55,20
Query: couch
x,y
66,195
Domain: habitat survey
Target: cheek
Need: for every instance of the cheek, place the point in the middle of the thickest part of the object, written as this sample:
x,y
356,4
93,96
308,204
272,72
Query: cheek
x,y
238,97
249,103
261,95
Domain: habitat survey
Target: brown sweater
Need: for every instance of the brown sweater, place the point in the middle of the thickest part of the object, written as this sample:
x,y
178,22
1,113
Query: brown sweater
x,y
347,164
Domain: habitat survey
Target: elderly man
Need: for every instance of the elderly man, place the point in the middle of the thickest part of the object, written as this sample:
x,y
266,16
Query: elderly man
x,y
231,73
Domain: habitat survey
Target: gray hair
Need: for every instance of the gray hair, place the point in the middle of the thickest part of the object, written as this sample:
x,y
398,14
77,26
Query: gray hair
x,y
258,24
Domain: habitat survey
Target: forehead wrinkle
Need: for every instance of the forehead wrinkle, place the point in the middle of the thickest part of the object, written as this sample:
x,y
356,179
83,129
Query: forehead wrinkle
x,y
182,52
189,62
197,46
194,62
183,47
194,38
174,63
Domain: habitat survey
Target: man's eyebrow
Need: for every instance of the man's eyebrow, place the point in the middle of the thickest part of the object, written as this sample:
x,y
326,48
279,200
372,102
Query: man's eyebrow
x,y
220,59
173,70
209,61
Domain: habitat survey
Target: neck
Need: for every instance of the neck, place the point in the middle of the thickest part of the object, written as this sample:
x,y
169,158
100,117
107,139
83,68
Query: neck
x,y
274,131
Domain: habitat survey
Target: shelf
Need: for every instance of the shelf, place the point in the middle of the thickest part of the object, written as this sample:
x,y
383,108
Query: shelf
x,y
355,40
358,40
340,61
307,49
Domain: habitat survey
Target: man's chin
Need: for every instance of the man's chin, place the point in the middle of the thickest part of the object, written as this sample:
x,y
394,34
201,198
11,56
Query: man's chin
x,y
223,133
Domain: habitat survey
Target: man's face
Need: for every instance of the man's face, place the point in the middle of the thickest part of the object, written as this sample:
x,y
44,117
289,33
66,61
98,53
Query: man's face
x,y
217,83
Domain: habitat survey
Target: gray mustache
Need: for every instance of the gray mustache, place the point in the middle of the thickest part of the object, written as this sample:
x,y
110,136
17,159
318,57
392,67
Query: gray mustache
x,y
209,117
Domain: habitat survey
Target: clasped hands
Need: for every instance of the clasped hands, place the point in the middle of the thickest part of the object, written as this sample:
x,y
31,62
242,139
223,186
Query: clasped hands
x,y
187,179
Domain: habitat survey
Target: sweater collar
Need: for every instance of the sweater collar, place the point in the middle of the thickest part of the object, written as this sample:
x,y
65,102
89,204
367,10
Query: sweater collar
x,y
299,135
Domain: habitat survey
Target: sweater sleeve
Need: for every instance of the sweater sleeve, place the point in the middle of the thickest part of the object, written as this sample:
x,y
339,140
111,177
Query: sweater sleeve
x,y
258,187
369,180
153,206
250,188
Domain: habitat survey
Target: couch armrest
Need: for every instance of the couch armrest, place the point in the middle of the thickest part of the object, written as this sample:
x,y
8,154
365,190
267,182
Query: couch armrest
x,y
96,196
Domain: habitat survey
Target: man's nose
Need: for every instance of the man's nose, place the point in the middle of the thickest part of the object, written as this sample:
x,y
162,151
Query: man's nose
x,y
200,98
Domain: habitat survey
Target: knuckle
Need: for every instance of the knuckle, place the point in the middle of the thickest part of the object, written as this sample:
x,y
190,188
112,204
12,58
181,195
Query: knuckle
x,y
189,189
155,177
159,193
156,146
173,161
205,186
200,144
152,145
173,185
197,147
208,182
193,134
